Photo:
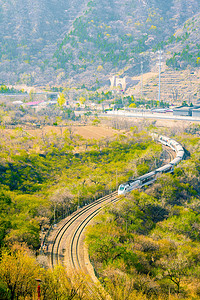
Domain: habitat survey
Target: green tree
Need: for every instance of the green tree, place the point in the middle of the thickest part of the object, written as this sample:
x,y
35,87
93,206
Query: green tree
x,y
96,121
31,94
5,208
176,268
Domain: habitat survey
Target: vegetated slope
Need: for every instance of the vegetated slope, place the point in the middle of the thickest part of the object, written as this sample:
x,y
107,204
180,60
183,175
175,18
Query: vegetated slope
x,y
52,41
29,32
180,74
148,243
45,172
184,45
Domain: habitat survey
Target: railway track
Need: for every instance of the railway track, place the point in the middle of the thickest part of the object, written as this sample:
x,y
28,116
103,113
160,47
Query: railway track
x,y
66,244
170,153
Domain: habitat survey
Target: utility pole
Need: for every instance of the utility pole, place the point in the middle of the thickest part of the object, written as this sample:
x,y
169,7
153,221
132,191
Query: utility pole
x,y
159,64
54,213
38,288
78,200
141,79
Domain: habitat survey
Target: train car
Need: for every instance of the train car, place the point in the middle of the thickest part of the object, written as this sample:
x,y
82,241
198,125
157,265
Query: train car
x,y
179,148
164,140
150,177
175,161
172,144
139,182
180,154
165,169
147,179
128,186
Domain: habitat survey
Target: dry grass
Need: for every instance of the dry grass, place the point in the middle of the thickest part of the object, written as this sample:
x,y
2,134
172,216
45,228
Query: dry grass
x,y
85,131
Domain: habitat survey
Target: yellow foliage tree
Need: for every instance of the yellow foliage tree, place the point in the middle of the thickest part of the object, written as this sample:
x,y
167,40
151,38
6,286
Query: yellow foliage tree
x,y
82,100
61,100
100,68
132,105
153,27
31,94
18,273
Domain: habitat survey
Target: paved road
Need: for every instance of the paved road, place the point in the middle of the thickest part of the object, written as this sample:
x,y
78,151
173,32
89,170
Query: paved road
x,y
149,115
141,114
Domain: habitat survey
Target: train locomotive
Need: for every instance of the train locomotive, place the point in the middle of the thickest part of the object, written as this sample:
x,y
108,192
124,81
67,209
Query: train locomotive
x,y
150,177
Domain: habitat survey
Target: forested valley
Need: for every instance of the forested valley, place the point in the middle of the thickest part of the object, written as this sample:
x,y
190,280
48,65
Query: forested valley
x,y
146,247
44,177
71,65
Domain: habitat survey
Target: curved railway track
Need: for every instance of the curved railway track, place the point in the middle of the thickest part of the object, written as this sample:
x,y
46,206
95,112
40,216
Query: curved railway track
x,y
170,152
66,244
66,247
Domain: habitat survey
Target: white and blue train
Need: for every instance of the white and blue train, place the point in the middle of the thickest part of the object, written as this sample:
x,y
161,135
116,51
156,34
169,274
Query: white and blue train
x,y
152,176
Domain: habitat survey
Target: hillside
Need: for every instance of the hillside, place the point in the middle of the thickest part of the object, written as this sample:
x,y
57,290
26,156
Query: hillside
x,y
184,46
180,68
86,41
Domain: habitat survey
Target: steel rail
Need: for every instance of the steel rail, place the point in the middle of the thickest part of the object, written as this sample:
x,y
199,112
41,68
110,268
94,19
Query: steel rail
x,y
75,255
54,253
90,211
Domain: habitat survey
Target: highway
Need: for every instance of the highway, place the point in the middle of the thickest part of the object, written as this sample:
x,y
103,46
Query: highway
x,y
140,113
148,115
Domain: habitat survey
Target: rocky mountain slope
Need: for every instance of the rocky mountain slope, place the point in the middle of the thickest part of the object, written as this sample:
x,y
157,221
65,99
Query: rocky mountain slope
x,y
63,41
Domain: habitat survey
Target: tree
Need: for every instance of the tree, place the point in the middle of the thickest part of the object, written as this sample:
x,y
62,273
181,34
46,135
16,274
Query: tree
x,y
31,94
61,202
57,285
175,267
105,242
5,206
61,100
96,121
82,100
18,273
132,105
121,287
184,103
99,68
